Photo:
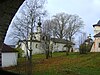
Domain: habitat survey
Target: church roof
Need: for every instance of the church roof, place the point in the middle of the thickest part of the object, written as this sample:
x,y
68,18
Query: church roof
x,y
58,40
97,35
30,40
98,24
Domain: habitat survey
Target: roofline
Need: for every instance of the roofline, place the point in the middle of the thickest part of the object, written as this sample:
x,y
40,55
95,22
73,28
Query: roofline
x,y
96,25
30,40
66,41
96,36
9,51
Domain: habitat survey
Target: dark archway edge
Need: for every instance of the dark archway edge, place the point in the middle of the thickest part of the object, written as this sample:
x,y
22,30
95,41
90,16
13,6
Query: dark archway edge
x,y
3,72
8,9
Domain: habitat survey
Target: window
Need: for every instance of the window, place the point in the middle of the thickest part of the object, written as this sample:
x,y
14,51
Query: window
x,y
36,45
99,45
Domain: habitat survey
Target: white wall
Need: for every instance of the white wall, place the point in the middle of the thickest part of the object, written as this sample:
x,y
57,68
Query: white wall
x,y
38,36
95,46
23,47
37,50
9,59
96,30
58,47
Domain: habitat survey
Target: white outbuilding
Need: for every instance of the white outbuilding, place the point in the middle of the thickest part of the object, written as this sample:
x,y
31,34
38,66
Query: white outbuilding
x,y
8,56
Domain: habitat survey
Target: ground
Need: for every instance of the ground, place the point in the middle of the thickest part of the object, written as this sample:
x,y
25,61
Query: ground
x,y
60,64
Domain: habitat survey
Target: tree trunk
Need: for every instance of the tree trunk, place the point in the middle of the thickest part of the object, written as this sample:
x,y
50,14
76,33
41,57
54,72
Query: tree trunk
x,y
50,53
67,51
30,64
47,54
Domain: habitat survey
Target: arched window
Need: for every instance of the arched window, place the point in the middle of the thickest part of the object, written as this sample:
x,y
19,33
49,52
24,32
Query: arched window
x,y
36,46
99,45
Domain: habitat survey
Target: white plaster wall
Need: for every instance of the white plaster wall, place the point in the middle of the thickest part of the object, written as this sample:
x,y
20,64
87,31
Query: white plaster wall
x,y
96,30
76,50
9,59
37,36
95,47
38,49
23,47
58,47
35,50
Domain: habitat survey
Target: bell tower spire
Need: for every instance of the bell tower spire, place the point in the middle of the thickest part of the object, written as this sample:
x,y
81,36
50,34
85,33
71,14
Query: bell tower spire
x,y
39,25
38,34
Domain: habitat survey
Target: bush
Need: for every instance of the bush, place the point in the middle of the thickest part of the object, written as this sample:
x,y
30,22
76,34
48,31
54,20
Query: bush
x,y
84,48
20,52
89,48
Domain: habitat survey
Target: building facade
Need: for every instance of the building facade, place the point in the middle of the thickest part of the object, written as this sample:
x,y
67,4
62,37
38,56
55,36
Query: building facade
x,y
8,56
96,44
37,44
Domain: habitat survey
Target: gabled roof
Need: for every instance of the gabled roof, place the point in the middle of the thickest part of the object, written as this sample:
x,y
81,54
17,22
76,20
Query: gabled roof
x,y
98,24
58,40
63,41
12,46
97,35
7,48
29,40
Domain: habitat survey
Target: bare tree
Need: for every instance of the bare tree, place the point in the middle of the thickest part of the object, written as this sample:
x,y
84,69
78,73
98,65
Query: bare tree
x,y
59,23
47,27
74,25
45,44
82,38
64,25
25,23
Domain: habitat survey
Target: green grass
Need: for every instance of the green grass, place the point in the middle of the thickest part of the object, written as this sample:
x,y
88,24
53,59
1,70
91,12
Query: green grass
x,y
60,64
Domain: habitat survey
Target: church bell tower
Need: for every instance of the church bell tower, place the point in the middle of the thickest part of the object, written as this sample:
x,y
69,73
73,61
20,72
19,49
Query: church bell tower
x,y
39,26
96,28
38,35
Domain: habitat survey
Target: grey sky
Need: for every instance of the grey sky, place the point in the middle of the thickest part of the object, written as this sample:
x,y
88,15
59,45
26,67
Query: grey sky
x,y
88,10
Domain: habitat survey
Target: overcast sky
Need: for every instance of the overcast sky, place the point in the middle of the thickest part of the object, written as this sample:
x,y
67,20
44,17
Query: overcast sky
x,y
88,10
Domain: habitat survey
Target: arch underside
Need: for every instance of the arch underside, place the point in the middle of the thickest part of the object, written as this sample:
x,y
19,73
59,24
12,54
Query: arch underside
x,y
8,8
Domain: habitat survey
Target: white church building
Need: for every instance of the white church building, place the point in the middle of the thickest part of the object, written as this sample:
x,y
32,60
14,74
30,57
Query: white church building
x,y
57,44
96,44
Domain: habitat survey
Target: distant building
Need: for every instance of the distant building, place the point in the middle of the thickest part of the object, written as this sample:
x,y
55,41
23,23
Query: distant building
x,y
96,44
89,40
58,44
8,56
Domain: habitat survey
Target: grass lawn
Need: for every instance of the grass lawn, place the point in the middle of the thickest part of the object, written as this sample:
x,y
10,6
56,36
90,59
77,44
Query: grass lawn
x,y
60,64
